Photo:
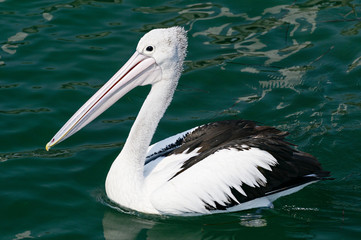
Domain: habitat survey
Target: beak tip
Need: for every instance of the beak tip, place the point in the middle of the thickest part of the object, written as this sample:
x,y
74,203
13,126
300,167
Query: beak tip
x,y
48,146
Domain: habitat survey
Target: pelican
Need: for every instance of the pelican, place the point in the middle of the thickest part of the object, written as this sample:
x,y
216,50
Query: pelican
x,y
218,167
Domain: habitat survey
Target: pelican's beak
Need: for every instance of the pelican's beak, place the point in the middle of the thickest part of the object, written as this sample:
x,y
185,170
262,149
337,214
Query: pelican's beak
x,y
134,72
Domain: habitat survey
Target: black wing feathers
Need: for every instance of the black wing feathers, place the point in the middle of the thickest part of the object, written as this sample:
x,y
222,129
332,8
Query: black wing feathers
x,y
294,167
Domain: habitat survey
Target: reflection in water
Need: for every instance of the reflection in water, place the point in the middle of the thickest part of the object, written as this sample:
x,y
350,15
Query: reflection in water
x,y
93,35
16,40
118,225
23,235
295,16
2,62
76,4
244,36
58,153
13,42
11,45
354,64
248,36
74,85
121,226
47,16
249,40
20,36
9,48
25,110
263,46
252,220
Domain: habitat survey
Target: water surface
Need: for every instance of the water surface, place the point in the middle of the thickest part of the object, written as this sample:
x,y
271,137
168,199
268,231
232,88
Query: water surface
x,y
291,64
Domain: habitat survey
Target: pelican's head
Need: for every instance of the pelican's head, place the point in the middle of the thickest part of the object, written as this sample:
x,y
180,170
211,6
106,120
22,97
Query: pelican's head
x,y
159,57
167,46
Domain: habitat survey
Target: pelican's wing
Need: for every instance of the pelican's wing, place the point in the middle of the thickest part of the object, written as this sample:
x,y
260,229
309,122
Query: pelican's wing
x,y
235,173
167,145
215,183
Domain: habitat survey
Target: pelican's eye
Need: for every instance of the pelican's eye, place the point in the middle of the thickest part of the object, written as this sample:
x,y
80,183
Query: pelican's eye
x,y
149,49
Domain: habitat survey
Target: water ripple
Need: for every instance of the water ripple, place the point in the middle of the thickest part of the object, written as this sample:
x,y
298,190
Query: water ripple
x,y
56,153
25,110
295,66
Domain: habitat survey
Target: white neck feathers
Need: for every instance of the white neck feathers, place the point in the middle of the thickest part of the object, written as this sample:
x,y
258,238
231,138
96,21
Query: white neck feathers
x,y
125,177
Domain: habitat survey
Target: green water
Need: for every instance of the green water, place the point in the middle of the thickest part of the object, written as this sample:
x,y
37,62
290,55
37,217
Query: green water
x,y
291,64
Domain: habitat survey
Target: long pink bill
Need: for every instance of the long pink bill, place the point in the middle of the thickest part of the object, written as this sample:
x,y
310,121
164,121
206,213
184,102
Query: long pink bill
x,y
134,72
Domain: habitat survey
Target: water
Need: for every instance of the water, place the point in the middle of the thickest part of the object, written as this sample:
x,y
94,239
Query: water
x,y
291,64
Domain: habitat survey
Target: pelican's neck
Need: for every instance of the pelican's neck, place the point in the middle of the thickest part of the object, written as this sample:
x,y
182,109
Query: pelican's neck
x,y
125,178
146,123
